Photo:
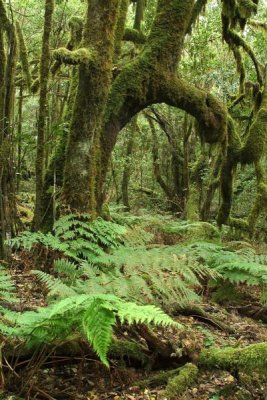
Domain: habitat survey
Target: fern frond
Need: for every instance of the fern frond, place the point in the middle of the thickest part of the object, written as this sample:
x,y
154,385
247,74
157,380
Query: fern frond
x,y
98,322
92,316
7,287
54,285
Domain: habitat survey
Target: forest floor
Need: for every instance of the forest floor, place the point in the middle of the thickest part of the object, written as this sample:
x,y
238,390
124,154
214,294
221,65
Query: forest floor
x,y
83,377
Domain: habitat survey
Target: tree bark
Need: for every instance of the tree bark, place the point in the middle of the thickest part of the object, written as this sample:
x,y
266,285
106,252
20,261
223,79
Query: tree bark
x,y
41,125
83,150
8,61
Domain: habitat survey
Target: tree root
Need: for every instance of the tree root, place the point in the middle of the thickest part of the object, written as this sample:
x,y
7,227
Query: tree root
x,y
199,313
129,350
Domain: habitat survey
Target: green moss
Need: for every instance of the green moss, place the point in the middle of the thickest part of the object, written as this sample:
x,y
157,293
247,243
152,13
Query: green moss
x,y
159,378
42,117
250,358
23,55
76,30
192,205
25,214
234,140
82,162
247,8
238,223
124,349
178,384
74,57
120,25
234,38
132,35
162,48
255,146
231,158
2,71
260,204
240,68
6,24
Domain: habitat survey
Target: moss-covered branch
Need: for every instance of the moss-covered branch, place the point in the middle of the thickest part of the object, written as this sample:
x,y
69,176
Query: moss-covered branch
x,y
23,54
120,26
74,57
210,113
132,35
5,22
259,24
250,358
233,13
240,42
198,8
76,29
178,384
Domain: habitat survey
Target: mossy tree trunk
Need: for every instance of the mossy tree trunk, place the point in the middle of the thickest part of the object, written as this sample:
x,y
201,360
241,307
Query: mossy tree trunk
x,y
83,150
8,61
128,165
105,104
42,117
2,96
213,184
169,192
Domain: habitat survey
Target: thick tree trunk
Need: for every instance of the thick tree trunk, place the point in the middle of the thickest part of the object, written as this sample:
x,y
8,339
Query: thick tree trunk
x,y
83,150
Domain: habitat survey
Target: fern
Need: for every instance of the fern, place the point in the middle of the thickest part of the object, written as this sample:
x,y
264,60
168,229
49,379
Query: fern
x,y
156,275
89,315
235,267
54,285
7,287
77,238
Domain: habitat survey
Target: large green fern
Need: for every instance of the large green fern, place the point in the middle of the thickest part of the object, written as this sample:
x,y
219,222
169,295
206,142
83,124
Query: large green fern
x,y
156,275
92,316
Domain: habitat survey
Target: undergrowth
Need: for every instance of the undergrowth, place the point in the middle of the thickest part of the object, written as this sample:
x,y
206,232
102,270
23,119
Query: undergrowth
x,y
110,273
